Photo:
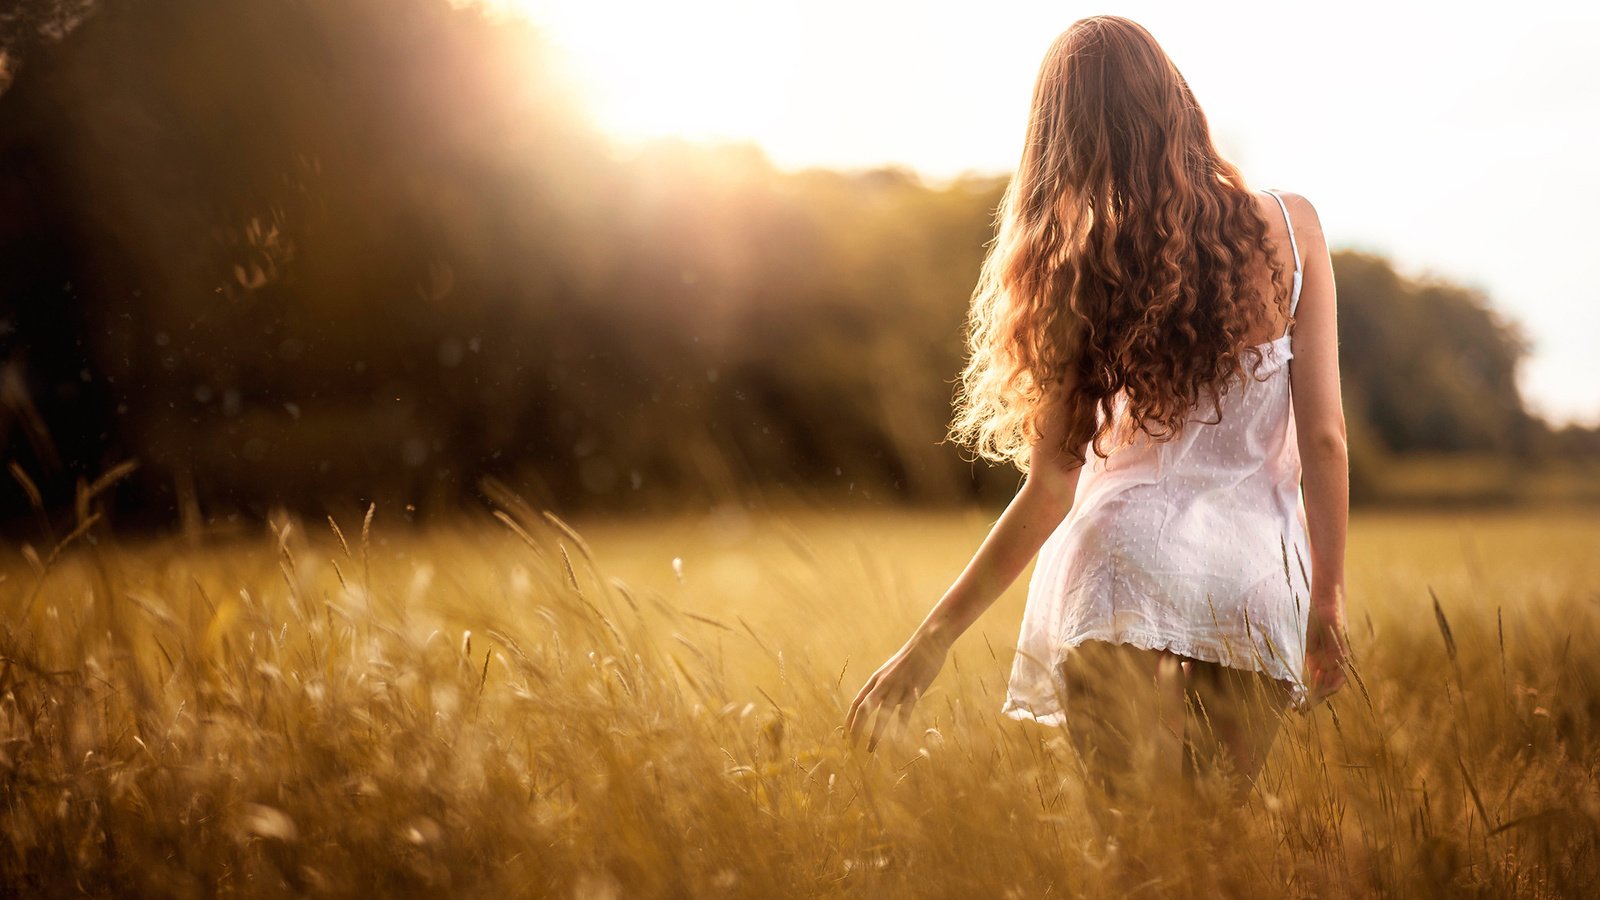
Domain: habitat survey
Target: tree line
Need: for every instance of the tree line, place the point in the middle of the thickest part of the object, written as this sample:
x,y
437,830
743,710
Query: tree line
x,y
321,254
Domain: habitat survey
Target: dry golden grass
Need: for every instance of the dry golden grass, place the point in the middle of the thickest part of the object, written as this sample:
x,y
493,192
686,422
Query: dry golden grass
x,y
506,708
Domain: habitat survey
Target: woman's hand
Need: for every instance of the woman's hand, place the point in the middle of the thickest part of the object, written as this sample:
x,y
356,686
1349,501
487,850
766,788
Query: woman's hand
x,y
1031,517
1325,650
896,686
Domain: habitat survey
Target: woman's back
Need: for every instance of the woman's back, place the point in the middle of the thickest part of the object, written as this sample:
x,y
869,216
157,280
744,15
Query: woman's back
x,y
1195,544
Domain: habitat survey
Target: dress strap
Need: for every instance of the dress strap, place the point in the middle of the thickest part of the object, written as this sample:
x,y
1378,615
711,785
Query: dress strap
x,y
1294,247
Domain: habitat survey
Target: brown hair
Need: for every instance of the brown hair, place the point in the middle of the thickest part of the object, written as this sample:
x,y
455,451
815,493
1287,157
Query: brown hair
x,y
1119,275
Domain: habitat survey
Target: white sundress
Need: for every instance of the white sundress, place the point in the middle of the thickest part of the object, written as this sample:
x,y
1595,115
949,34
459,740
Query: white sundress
x,y
1195,545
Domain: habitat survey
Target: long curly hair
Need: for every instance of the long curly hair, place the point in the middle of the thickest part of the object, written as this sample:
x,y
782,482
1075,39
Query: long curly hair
x,y
1120,275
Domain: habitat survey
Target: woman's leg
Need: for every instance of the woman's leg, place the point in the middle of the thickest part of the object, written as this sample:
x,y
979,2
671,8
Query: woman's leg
x,y
1124,708
1233,718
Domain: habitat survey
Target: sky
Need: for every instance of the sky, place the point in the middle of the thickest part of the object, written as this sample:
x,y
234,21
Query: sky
x,y
1460,140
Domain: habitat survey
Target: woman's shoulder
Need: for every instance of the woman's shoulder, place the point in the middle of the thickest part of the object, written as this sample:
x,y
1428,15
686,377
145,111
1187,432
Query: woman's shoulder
x,y
1307,224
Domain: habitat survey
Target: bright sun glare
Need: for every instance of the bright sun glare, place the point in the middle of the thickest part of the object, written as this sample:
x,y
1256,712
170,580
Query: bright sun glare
x,y
944,87
822,83
706,71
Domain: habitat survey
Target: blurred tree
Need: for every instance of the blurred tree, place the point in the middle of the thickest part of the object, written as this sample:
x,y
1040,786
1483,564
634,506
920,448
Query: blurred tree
x,y
326,252
26,24
1433,366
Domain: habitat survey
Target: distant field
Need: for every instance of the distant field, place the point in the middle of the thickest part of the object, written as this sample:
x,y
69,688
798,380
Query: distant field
x,y
1468,481
652,708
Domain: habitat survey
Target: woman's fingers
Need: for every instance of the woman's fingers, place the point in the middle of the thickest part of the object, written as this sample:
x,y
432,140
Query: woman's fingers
x,y
869,710
879,715
884,714
865,690
855,705
1326,678
866,715
858,715
902,719
906,706
881,707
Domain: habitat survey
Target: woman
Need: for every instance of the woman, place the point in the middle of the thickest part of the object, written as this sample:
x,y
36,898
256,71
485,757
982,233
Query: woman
x,y
1130,341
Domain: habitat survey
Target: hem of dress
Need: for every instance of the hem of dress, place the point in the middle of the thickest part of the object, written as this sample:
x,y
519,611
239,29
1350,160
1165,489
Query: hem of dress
x,y
1056,716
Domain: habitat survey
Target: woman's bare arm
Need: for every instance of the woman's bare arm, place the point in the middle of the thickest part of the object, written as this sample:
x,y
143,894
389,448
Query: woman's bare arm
x,y
1038,507
1324,457
1031,516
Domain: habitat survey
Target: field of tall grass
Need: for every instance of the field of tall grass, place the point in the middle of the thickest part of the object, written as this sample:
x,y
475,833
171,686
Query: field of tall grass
x,y
512,706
